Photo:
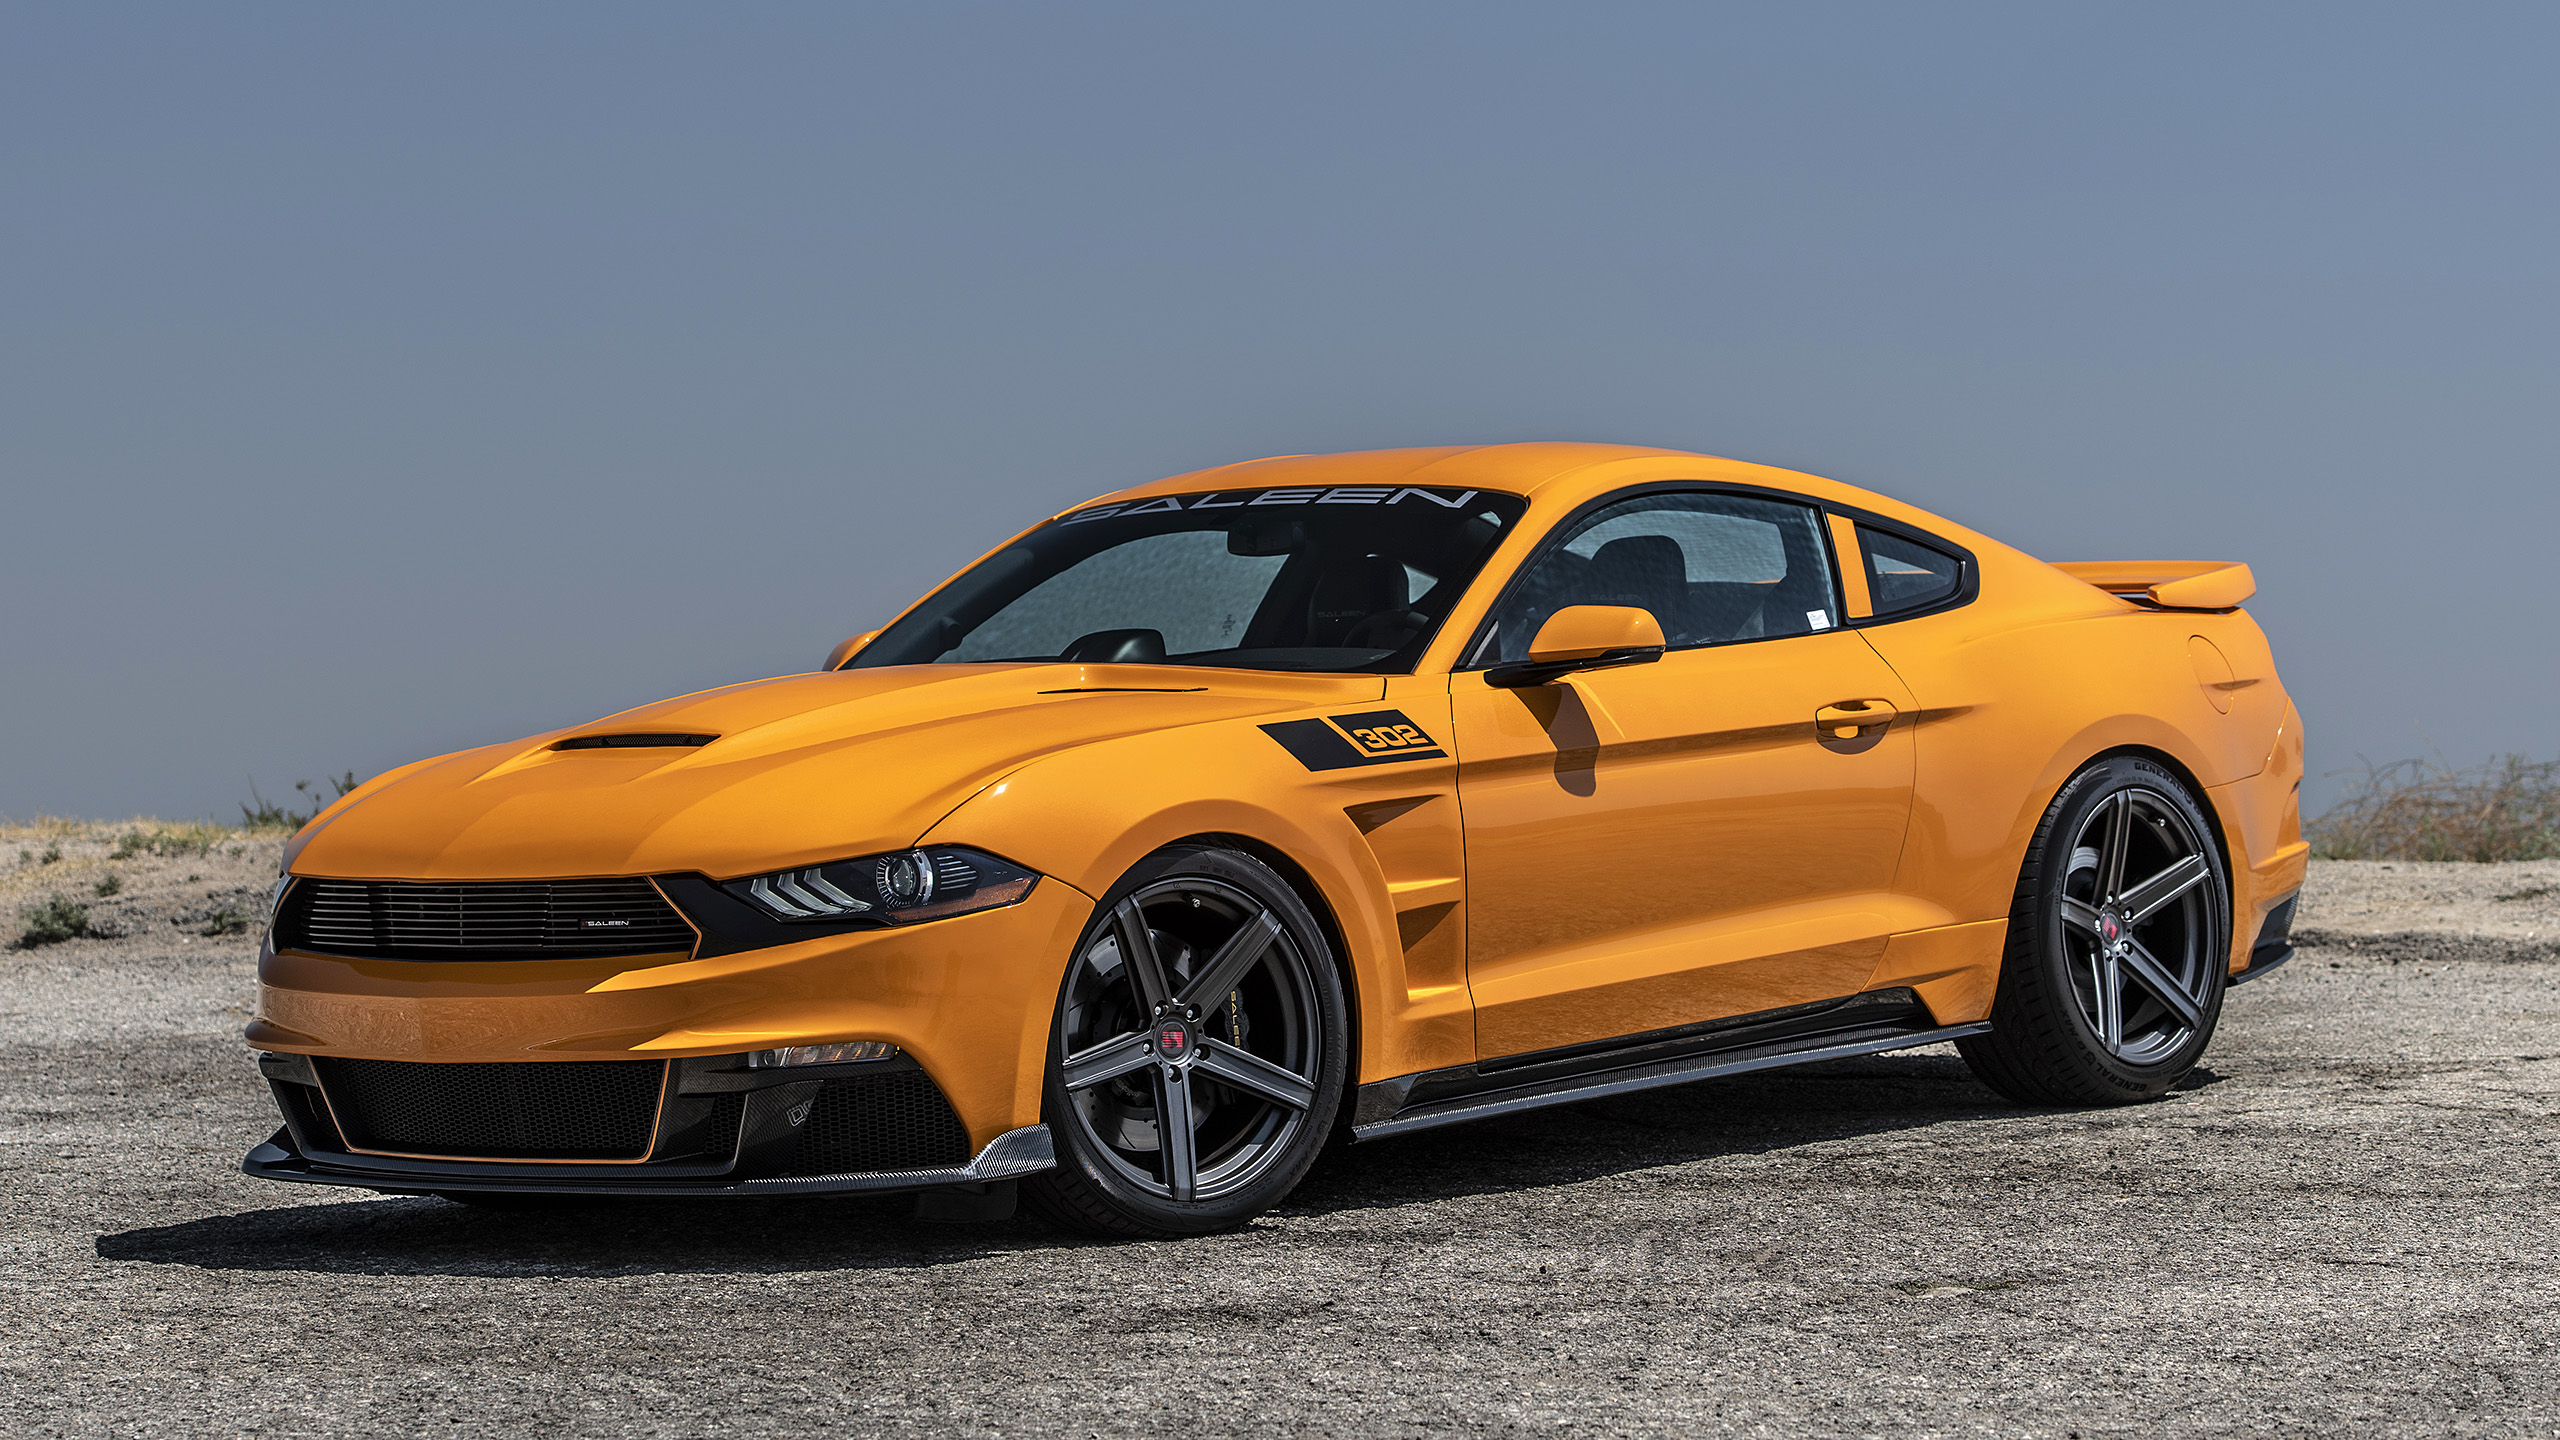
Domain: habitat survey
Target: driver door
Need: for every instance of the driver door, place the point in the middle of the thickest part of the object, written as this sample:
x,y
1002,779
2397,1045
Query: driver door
x,y
1659,845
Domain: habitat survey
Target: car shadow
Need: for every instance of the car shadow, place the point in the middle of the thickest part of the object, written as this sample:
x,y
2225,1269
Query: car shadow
x,y
1735,1116
419,1235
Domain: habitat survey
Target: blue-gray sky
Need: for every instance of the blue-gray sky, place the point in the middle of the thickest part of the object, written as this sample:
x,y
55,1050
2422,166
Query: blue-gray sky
x,y
381,380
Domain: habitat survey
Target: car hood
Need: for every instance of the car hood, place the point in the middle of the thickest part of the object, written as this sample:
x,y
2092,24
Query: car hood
x,y
802,769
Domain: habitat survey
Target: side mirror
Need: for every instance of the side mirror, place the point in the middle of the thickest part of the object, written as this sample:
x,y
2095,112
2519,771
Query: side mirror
x,y
1583,637
847,649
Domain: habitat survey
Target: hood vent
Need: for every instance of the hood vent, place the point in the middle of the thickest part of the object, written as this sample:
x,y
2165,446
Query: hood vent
x,y
631,742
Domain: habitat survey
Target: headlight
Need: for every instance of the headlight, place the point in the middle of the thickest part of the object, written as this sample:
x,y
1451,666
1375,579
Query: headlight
x,y
896,888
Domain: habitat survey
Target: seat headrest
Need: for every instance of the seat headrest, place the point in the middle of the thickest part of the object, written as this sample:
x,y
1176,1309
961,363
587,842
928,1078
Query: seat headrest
x,y
1350,591
1650,568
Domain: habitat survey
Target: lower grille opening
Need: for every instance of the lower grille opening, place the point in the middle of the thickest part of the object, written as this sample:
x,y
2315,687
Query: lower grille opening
x,y
565,1110
896,1121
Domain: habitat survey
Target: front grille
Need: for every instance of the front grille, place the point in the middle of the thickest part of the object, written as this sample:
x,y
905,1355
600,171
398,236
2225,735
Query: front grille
x,y
564,1110
897,1121
480,920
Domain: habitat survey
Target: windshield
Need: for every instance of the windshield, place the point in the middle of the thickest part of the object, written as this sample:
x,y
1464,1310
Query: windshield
x,y
1352,578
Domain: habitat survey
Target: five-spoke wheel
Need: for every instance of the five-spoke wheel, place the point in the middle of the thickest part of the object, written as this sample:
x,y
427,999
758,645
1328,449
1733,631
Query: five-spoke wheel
x,y
1197,1057
2135,923
2118,944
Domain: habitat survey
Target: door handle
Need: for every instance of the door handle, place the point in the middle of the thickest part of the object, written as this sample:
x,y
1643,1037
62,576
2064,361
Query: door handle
x,y
1849,719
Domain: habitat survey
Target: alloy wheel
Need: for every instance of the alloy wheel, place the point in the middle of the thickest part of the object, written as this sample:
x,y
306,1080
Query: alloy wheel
x,y
1190,1036
2137,926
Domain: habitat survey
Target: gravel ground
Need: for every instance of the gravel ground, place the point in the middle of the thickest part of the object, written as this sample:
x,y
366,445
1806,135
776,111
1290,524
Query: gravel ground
x,y
2345,1222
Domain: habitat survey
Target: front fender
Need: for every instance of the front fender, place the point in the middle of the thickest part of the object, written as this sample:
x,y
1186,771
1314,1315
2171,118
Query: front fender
x,y
1365,839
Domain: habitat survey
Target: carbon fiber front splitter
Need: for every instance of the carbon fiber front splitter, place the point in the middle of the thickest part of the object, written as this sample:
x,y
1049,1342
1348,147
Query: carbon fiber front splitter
x,y
1009,1156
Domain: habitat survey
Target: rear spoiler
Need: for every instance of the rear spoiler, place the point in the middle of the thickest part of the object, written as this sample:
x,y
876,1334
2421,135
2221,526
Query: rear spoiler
x,y
2168,584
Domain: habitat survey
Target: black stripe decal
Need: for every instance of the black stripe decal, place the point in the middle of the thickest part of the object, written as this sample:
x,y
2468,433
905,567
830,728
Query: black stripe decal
x,y
1376,737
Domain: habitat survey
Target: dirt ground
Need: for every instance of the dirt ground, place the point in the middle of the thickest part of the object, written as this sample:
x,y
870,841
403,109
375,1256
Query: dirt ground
x,y
2345,1223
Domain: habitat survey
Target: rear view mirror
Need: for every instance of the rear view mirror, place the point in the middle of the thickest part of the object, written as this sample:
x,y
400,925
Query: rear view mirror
x,y
1583,637
847,649
1265,535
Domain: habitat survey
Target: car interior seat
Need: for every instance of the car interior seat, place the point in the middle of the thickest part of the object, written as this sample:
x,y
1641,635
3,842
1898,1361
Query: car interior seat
x,y
1646,571
1362,602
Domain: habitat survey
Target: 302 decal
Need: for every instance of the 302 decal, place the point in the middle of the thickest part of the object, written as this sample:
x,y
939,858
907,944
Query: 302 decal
x,y
1375,737
1387,739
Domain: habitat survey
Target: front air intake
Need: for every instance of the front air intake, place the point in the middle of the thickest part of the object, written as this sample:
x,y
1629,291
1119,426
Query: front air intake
x,y
560,1110
896,1120
480,920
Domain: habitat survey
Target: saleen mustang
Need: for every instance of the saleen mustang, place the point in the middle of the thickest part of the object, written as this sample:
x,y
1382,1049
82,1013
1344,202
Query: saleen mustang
x,y
1318,796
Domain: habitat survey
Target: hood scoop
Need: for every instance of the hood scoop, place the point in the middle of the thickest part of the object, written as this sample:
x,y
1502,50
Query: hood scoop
x,y
633,742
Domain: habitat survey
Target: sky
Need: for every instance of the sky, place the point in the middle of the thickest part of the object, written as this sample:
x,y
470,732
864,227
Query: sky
x,y
377,381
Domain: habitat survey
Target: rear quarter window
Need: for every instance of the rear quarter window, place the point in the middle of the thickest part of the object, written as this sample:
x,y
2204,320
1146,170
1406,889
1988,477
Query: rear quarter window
x,y
1905,576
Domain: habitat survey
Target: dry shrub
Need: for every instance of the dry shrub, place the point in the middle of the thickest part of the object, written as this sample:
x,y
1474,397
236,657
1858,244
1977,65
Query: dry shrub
x,y
2506,809
58,919
193,839
260,813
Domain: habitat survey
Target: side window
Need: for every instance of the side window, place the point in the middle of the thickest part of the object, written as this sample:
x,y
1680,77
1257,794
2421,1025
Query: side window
x,y
1713,569
1904,575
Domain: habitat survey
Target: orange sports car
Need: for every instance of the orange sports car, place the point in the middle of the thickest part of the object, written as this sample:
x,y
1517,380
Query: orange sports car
x,y
1314,797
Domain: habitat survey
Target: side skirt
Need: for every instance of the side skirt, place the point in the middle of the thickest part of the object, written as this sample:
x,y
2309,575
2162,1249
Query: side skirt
x,y
1860,1025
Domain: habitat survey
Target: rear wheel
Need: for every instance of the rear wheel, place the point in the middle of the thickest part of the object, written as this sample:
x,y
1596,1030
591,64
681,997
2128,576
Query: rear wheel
x,y
2119,943
1198,1053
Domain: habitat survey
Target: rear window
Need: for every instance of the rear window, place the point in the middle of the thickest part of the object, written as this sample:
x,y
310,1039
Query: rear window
x,y
1904,575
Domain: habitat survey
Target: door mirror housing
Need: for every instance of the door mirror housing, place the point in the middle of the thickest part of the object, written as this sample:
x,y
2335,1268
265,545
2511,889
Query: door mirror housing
x,y
847,649
1583,637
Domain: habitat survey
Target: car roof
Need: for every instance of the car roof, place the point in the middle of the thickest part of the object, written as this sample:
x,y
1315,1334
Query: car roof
x,y
1554,475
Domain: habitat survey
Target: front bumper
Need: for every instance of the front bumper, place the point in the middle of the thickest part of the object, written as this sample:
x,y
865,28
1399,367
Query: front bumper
x,y
969,998
711,1126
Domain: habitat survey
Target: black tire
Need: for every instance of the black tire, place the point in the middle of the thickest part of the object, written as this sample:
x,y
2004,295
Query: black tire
x,y
2124,894
1176,1111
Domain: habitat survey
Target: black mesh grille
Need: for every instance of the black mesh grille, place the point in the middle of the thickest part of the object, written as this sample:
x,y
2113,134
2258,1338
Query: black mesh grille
x,y
897,1121
482,920
566,1110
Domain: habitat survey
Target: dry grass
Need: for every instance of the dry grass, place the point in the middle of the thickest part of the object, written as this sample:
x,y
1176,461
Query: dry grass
x,y
52,853
191,838
2507,809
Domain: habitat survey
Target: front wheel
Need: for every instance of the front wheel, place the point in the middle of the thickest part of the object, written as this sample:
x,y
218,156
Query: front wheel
x,y
1198,1054
2119,943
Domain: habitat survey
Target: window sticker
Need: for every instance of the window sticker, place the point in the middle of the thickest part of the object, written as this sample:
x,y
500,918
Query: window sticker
x,y
1294,495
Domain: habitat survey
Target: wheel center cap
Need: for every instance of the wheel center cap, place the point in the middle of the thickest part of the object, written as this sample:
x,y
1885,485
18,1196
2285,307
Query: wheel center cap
x,y
2110,929
1174,1040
